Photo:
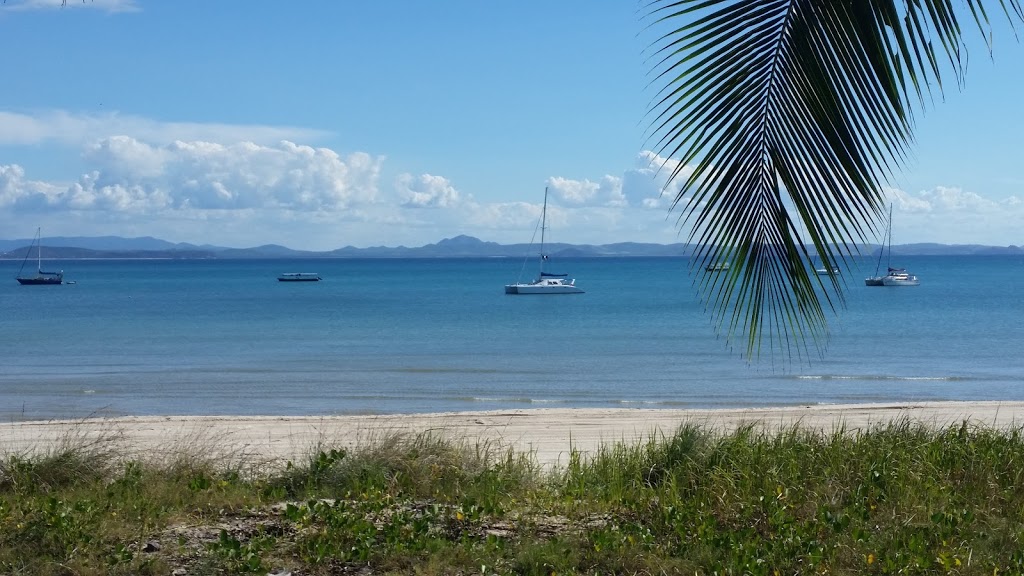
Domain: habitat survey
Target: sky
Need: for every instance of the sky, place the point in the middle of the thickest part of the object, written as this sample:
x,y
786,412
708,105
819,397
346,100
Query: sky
x,y
318,125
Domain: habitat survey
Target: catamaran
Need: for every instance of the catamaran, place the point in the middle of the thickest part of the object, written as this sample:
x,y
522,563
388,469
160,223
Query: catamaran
x,y
893,276
546,282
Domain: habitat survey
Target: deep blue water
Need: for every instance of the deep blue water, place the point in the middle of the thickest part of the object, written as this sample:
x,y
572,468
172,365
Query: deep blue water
x,y
387,336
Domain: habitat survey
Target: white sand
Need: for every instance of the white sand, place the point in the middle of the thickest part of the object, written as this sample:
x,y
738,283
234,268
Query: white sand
x,y
548,433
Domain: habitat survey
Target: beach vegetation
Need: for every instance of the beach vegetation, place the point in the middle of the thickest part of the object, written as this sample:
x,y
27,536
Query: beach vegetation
x,y
899,498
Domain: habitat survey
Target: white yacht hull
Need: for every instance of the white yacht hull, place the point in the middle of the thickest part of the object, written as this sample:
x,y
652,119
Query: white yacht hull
x,y
542,289
912,281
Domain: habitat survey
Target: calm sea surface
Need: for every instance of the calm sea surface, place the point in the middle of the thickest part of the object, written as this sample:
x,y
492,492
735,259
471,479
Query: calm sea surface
x,y
392,336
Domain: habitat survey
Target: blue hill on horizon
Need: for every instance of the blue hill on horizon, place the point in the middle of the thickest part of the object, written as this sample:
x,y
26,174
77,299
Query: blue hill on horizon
x,y
461,246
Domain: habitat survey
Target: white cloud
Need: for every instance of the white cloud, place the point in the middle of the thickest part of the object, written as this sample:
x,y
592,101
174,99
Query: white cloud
x,y
245,193
952,215
199,183
426,191
606,192
647,183
104,5
946,199
132,176
644,185
16,189
76,129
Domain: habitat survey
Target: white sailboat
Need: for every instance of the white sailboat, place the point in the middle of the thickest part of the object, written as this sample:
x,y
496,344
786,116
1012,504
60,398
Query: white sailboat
x,y
546,282
821,270
893,276
41,278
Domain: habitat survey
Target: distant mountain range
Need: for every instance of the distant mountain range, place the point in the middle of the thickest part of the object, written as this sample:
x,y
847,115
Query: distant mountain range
x,y
457,247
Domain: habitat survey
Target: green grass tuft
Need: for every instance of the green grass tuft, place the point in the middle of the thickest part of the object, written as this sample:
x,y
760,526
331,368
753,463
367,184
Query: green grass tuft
x,y
897,498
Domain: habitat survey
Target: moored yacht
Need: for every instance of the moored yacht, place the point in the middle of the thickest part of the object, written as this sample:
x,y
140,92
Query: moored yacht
x,y
546,282
899,277
893,276
299,277
42,277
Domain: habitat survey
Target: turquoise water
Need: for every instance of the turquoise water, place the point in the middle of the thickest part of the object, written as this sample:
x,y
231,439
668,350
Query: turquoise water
x,y
393,336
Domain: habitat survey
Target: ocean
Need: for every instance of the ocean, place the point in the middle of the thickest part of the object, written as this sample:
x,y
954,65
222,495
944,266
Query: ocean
x,y
206,337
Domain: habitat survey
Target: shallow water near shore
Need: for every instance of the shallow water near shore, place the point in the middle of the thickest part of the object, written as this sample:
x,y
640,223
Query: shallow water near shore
x,y
202,337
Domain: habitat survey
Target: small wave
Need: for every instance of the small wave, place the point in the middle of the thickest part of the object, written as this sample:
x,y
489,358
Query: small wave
x,y
669,403
489,399
883,378
509,400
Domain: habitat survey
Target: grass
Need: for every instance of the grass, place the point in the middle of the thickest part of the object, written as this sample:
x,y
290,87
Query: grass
x,y
901,498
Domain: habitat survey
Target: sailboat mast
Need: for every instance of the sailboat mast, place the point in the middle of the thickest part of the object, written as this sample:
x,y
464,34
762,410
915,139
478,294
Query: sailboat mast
x,y
543,226
39,249
887,239
888,261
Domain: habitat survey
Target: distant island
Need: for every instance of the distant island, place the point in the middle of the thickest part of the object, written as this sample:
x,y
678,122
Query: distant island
x,y
113,247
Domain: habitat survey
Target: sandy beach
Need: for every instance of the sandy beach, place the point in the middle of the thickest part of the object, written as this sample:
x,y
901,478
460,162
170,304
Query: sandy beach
x,y
548,433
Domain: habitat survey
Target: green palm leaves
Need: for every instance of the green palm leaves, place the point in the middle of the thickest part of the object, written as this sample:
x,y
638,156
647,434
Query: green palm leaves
x,y
791,115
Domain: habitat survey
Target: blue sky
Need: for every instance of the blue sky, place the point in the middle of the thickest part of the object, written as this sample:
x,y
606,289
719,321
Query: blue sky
x,y
323,124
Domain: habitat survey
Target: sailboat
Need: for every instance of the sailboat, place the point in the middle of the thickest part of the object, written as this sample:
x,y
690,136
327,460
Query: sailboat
x,y
546,282
893,276
41,277
822,270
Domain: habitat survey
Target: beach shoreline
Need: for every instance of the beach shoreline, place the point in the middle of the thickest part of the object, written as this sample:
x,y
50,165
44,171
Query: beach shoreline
x,y
550,434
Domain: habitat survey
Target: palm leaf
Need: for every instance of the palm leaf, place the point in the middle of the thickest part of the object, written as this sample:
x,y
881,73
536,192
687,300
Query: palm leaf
x,y
792,114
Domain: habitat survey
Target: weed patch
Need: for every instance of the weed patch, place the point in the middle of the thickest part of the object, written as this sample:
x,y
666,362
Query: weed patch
x,y
899,498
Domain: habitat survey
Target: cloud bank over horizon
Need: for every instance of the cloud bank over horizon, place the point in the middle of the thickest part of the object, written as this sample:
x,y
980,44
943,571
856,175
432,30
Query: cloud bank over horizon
x,y
245,186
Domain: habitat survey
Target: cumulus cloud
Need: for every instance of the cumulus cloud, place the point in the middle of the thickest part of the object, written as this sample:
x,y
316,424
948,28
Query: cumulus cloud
x,y
586,210
75,129
952,215
605,192
647,184
246,192
426,191
132,176
944,198
644,185
15,189
104,5
949,200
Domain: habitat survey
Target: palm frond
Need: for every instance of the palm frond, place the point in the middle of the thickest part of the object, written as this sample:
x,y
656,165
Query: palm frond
x,y
791,115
